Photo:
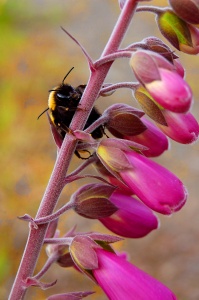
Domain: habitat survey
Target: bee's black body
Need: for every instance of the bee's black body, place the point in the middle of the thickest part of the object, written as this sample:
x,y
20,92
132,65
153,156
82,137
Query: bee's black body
x,y
63,102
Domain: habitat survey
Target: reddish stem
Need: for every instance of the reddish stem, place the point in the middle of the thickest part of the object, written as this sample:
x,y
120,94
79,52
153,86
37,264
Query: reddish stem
x,y
55,185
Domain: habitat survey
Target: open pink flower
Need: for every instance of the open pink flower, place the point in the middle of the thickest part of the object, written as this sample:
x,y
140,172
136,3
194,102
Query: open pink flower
x,y
121,280
133,219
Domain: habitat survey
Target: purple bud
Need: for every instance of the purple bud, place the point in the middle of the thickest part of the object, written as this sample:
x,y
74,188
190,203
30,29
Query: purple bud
x,y
123,119
155,44
83,253
182,35
92,201
194,48
188,10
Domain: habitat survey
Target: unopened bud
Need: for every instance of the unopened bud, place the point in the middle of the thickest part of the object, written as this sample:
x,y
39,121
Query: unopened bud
x,y
92,201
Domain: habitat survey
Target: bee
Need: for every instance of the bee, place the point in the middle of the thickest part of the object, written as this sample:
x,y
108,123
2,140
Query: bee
x,y
63,102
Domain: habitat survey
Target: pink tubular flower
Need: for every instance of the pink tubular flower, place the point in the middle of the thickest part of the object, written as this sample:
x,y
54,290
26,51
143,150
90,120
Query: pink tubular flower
x,y
132,219
171,91
162,81
156,186
182,128
152,138
121,280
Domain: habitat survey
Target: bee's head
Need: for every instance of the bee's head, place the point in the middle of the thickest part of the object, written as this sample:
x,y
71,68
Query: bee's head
x,y
60,95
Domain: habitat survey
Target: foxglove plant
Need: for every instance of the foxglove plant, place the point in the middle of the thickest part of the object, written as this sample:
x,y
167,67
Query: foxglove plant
x,y
130,187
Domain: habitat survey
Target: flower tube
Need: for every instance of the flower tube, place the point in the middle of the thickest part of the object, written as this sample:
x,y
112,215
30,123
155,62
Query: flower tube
x,y
154,185
152,138
121,280
182,128
133,219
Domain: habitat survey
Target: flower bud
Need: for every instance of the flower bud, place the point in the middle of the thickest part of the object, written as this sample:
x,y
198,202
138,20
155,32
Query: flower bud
x,y
188,10
83,253
179,33
124,120
171,92
182,128
168,89
83,250
152,138
132,219
157,45
92,201
194,49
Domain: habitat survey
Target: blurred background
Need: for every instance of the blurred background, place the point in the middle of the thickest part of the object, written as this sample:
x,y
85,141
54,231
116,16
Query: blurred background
x,y
35,55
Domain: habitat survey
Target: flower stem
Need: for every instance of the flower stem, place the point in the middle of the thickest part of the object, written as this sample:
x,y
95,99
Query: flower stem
x,y
55,185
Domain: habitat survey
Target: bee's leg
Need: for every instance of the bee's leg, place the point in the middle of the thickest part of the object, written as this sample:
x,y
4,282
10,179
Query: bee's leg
x,y
63,129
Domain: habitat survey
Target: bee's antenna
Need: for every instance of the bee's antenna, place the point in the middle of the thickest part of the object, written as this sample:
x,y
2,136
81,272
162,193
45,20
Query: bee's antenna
x,y
67,75
42,113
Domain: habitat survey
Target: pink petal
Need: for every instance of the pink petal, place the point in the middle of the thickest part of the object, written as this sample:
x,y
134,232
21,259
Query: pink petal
x,y
171,92
152,138
133,219
182,128
156,186
121,280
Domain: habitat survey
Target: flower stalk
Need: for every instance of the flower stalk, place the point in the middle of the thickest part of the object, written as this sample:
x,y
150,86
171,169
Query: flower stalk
x,y
55,185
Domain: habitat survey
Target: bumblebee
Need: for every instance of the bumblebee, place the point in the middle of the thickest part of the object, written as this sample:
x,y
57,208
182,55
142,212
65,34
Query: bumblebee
x,y
63,101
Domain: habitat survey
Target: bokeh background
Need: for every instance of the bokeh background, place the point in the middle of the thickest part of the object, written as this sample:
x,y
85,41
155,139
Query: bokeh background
x,y
35,54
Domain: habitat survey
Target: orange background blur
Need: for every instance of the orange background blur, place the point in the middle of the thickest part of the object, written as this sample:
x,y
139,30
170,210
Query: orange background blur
x,y
35,54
